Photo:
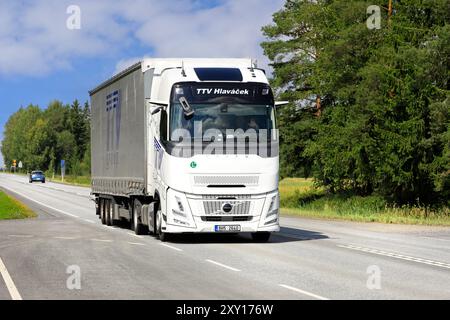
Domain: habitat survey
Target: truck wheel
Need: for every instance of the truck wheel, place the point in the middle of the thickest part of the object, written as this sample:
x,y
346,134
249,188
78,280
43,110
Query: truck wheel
x,y
261,236
137,226
153,230
161,235
98,208
108,213
103,210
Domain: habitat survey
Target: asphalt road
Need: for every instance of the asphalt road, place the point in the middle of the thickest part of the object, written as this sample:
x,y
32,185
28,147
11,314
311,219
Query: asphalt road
x,y
42,258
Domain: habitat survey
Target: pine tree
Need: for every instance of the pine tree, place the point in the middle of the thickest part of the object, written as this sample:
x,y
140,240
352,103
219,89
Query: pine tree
x,y
377,94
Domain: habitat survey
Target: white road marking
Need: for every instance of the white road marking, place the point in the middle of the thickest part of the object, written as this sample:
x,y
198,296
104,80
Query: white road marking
x,y
90,221
136,243
65,238
306,293
20,236
40,203
223,265
171,247
101,240
135,235
397,256
15,295
436,238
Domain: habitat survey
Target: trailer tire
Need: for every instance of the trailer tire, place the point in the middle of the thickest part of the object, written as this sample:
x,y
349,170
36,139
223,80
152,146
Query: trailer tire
x,y
102,210
98,208
138,228
108,214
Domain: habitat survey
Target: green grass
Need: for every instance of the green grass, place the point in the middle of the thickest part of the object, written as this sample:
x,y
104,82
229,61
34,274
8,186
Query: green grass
x,y
10,208
300,197
83,181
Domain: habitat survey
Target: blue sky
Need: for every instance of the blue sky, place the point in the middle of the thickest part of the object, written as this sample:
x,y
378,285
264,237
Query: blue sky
x,y
41,59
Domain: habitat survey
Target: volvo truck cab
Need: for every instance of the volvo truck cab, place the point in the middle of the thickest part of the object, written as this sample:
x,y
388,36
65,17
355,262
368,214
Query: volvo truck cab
x,y
215,154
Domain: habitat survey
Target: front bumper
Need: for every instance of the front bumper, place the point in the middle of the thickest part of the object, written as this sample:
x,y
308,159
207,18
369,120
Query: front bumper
x,y
209,227
197,214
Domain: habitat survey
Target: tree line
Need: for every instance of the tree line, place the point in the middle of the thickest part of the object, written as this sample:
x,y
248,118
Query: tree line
x,y
40,139
369,111
370,108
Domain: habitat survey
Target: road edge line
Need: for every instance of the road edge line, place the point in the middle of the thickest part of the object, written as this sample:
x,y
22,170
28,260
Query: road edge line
x,y
12,289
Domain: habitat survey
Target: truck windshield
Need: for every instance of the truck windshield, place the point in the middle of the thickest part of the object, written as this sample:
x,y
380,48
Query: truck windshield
x,y
223,117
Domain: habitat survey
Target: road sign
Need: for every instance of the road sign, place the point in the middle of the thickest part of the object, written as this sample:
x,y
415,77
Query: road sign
x,y
63,169
14,163
20,165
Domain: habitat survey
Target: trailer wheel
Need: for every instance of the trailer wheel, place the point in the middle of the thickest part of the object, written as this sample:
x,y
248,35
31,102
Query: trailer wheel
x,y
102,210
137,226
261,236
98,208
109,218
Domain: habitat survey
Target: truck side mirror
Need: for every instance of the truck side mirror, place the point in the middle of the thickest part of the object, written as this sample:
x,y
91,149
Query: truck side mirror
x,y
156,110
157,106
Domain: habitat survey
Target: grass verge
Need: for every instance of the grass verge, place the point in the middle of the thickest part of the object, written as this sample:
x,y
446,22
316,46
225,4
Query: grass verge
x,y
301,198
11,208
82,181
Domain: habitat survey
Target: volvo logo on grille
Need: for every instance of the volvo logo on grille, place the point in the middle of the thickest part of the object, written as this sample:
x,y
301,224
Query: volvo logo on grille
x,y
227,207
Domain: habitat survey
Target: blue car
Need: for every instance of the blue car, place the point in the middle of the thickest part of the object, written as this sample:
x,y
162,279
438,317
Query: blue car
x,y
37,176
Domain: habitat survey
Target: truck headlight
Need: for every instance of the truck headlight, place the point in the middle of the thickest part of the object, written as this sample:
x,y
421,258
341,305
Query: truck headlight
x,y
178,210
272,209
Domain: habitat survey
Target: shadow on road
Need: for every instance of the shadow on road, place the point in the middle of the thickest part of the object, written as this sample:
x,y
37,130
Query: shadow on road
x,y
285,235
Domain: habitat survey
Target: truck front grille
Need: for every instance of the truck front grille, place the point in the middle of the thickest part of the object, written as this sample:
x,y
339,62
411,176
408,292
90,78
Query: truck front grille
x,y
226,219
215,207
226,180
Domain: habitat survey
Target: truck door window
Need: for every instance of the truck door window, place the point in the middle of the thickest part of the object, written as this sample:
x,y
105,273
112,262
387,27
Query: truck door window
x,y
163,126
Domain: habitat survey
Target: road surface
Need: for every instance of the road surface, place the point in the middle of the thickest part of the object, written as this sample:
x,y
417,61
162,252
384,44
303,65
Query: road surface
x,y
66,253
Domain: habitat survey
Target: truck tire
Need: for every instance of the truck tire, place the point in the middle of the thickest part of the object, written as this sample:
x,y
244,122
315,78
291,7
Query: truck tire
x,y
102,203
108,213
98,208
261,236
163,236
152,217
138,228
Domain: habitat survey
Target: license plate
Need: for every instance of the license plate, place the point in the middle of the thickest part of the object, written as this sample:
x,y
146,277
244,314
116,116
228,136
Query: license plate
x,y
221,228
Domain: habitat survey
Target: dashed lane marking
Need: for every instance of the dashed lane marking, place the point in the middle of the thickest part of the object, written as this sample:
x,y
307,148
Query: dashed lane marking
x,y
171,247
222,265
397,256
306,293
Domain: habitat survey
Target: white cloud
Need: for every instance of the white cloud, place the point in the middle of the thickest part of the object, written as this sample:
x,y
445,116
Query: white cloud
x,y
34,39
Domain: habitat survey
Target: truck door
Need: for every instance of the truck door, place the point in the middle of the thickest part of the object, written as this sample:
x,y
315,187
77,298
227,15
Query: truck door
x,y
160,137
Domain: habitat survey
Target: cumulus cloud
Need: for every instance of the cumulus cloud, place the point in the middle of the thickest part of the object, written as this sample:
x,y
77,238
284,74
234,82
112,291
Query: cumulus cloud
x,y
34,39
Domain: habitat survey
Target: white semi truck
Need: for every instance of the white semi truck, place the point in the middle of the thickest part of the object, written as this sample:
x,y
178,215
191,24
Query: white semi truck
x,y
186,146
